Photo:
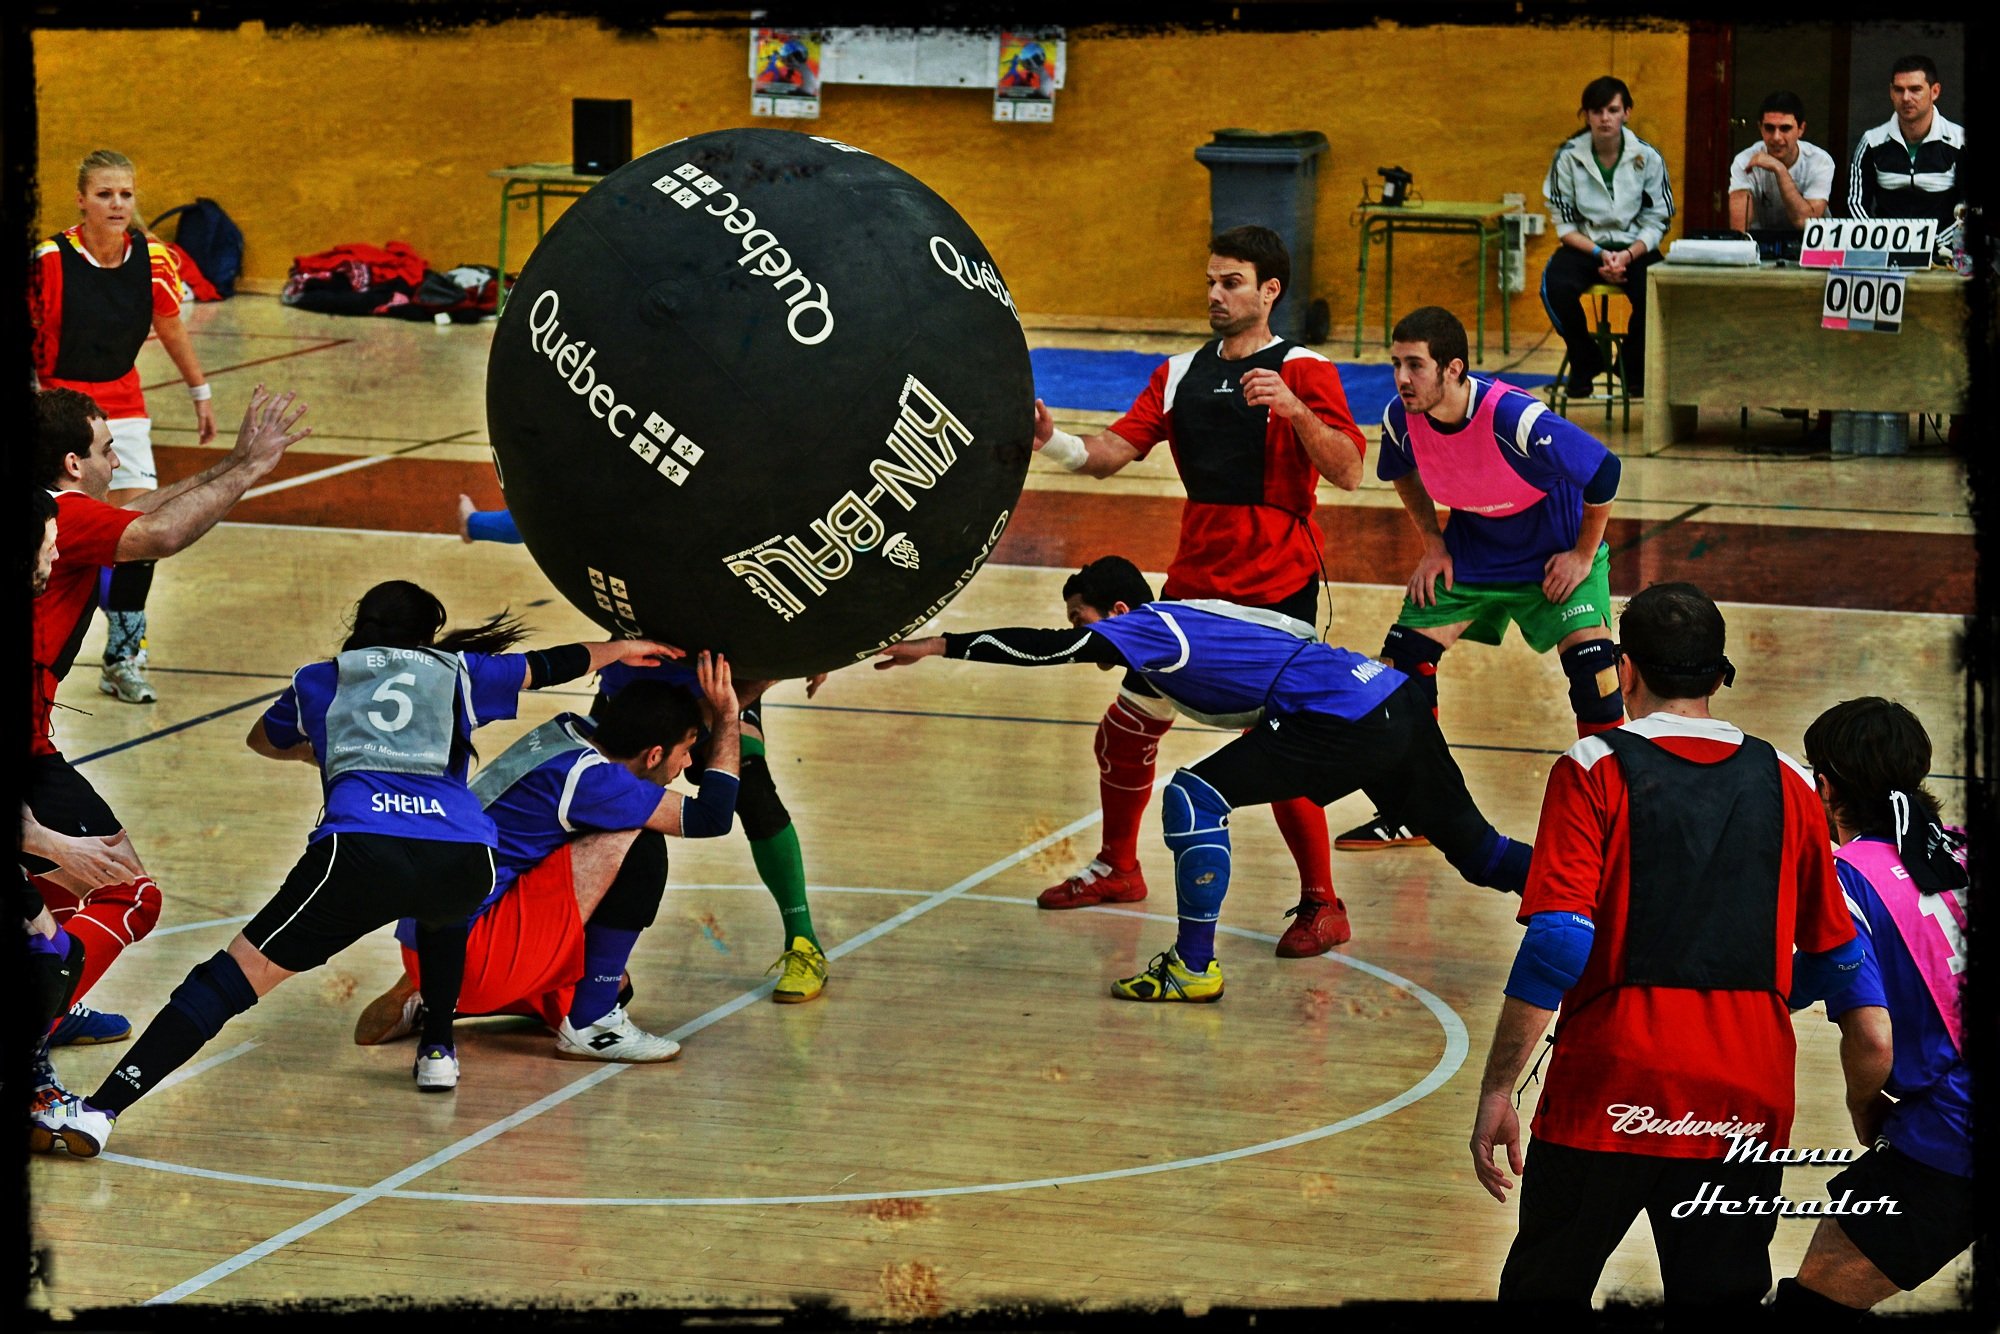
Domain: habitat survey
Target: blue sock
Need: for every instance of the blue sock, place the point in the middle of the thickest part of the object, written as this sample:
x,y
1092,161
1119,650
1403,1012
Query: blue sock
x,y
605,950
492,526
1196,943
1196,820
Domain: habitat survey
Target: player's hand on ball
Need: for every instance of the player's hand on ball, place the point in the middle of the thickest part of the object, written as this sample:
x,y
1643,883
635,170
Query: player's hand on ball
x,y
1045,424
646,652
814,682
717,685
909,651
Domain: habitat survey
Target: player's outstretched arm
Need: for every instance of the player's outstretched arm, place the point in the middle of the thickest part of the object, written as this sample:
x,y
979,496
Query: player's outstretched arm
x,y
1012,647
174,516
910,651
1097,455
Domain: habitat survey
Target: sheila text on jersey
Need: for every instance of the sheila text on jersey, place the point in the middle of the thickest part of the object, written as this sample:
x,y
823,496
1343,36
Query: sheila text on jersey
x,y
397,803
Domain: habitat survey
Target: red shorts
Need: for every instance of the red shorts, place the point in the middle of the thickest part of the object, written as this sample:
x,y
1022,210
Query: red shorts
x,y
525,954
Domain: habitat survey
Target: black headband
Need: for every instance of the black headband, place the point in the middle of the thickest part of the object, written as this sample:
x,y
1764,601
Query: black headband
x,y
1697,669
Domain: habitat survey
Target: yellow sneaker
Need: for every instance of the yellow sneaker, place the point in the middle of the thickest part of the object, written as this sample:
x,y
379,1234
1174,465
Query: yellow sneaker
x,y
1168,979
804,976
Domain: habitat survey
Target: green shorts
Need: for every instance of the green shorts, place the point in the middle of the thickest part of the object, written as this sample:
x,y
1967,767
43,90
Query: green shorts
x,y
1543,623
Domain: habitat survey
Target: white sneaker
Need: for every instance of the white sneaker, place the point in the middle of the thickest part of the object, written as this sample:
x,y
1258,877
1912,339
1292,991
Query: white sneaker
x,y
126,679
82,1129
613,1038
436,1069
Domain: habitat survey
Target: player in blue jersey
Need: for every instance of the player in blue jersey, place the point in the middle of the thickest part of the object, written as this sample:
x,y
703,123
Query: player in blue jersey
x,y
1530,495
767,825
389,724
1324,722
1902,1021
581,809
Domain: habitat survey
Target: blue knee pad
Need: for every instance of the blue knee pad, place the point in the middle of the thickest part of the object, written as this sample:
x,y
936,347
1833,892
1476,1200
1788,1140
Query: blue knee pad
x,y
1592,669
1197,824
214,992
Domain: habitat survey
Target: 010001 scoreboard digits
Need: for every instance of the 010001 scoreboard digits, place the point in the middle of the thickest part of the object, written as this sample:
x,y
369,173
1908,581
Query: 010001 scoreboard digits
x,y
1865,243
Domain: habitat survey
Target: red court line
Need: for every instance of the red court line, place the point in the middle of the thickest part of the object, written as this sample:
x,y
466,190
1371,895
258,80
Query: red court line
x,y
1735,562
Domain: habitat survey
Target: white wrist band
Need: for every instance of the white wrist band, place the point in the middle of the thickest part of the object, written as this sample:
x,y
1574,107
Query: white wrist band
x,y
201,393
1067,451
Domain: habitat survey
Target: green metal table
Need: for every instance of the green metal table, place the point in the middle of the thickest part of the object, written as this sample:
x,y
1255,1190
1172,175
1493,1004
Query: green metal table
x,y
1477,219
539,181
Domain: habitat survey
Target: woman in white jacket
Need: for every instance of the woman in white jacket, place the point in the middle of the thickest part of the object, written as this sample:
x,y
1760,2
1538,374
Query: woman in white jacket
x,y
1608,193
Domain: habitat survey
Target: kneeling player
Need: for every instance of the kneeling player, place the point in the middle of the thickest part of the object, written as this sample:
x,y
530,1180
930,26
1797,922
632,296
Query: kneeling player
x,y
1327,721
581,808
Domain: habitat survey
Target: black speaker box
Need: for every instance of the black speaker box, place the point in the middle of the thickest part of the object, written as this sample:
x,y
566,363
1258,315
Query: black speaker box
x,y
600,134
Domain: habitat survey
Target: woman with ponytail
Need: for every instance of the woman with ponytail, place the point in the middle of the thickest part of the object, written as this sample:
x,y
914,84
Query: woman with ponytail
x,y
1902,1026
388,722
95,291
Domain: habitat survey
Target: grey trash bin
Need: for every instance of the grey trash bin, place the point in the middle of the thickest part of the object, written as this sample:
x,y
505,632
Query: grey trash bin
x,y
1270,180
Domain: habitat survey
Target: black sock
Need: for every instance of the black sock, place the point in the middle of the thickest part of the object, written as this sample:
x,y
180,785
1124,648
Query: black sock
x,y
441,964
168,1043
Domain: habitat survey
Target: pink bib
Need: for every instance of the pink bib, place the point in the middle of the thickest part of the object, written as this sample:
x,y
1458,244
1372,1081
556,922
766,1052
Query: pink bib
x,y
1465,470
1932,925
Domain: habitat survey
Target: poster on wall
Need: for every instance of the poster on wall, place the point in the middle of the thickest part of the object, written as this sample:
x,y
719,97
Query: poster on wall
x,y
1025,89
784,73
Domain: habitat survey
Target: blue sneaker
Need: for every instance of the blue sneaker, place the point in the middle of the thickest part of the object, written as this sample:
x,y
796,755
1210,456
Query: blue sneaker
x,y
85,1027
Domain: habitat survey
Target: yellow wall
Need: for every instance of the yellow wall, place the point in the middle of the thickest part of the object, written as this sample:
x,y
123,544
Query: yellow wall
x,y
312,139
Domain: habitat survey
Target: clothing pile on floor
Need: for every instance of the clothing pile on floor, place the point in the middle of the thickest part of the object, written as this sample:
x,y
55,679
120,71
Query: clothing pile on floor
x,y
393,280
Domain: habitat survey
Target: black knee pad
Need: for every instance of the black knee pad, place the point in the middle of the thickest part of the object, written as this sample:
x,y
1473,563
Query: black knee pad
x,y
52,980
130,582
758,804
1592,669
1415,656
633,900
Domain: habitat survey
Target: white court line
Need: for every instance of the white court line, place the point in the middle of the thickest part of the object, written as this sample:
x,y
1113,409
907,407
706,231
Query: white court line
x,y
1450,1061
320,475
186,1073
242,1259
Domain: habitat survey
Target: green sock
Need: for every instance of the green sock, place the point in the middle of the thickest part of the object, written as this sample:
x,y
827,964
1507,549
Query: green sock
x,y
782,867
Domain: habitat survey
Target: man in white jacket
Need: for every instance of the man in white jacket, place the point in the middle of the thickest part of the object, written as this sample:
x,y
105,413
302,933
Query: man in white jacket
x,y
1608,193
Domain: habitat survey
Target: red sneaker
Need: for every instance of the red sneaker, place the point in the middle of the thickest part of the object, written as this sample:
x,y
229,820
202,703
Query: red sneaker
x,y
1316,928
1095,883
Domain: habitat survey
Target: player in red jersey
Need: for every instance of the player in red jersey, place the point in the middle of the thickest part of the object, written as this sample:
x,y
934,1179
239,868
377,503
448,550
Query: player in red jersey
x,y
1678,863
94,292
74,460
1254,422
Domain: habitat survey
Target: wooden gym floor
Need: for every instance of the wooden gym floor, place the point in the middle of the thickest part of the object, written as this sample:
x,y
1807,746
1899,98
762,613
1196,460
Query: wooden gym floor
x,y
965,1118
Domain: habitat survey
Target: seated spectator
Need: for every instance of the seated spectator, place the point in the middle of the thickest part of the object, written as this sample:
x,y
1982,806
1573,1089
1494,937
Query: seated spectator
x,y
1783,182
1608,193
1907,167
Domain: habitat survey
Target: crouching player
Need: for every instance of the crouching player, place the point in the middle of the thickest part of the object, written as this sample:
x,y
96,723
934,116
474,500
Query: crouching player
x,y
582,812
